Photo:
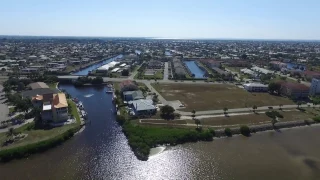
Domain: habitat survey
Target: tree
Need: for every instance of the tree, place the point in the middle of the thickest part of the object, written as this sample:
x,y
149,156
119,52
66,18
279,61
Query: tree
x,y
280,106
274,120
254,107
299,104
167,112
193,113
198,122
244,56
274,87
10,132
155,99
125,72
225,110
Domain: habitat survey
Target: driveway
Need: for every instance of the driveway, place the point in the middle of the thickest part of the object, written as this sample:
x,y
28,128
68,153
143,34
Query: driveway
x,y
166,71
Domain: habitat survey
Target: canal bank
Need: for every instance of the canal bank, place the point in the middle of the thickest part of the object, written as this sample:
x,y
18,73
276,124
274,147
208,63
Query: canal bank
x,y
101,151
85,71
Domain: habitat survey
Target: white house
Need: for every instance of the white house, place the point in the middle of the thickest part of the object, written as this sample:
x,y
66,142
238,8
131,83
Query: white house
x,y
315,87
255,87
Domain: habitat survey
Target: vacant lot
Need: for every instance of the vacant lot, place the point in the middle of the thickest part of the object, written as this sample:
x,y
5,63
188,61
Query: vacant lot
x,y
251,119
211,97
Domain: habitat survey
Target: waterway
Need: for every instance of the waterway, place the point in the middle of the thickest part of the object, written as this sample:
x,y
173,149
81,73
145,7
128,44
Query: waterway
x,y
101,152
298,67
194,69
86,70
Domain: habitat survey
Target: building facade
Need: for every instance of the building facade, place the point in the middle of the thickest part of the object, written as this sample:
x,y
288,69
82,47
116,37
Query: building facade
x,y
315,87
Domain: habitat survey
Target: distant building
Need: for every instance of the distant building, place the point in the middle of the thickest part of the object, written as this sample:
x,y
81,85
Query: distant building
x,y
294,90
278,64
155,64
256,87
315,87
54,107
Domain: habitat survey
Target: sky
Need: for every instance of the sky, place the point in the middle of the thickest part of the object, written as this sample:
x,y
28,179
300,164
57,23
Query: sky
x,y
217,19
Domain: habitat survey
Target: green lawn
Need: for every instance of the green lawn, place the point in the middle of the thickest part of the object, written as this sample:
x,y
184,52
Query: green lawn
x,y
36,135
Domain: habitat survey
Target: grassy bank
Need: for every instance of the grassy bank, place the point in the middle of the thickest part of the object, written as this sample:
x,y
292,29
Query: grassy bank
x,y
142,138
38,140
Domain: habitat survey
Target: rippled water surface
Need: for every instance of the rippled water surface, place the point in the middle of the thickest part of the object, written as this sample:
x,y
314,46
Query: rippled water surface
x,y
101,152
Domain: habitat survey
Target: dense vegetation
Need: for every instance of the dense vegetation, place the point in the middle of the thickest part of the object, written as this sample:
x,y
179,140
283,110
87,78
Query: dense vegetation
x,y
274,114
87,80
141,139
245,130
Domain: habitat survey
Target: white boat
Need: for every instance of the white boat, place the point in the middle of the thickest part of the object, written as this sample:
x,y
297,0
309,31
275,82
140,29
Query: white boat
x,y
109,91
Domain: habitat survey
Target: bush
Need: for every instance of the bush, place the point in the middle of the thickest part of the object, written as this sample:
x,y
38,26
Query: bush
x,y
316,119
245,130
212,131
274,114
228,132
121,119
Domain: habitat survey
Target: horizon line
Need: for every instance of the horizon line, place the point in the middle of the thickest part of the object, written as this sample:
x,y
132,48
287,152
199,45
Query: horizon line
x,y
161,38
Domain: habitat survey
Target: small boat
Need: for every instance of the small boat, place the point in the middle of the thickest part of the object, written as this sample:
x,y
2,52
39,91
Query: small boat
x,y
109,91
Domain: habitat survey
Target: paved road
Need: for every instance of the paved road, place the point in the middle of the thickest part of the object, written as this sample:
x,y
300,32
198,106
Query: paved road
x,y
134,74
146,81
166,71
163,101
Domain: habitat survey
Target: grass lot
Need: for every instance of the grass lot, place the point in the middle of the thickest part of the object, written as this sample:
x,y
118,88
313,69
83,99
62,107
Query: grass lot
x,y
278,78
157,75
36,135
235,69
213,97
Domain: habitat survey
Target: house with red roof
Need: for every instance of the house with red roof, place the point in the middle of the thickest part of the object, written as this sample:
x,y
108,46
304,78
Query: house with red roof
x,y
294,90
128,85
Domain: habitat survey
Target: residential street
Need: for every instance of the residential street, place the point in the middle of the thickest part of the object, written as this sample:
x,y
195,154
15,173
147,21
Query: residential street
x,y
166,71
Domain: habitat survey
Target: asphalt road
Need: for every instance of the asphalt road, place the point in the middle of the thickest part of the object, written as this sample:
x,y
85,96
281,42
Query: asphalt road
x,y
166,71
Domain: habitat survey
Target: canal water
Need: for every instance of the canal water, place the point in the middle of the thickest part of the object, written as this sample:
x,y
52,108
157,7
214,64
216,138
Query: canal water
x,y
101,151
86,70
194,69
298,67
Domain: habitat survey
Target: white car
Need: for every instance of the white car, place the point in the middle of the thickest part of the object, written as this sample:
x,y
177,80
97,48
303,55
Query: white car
x,y
181,105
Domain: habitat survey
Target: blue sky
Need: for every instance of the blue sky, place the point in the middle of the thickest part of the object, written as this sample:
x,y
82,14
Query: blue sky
x,y
240,19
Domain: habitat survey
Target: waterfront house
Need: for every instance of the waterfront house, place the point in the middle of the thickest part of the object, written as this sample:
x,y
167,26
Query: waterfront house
x,y
54,107
132,95
38,85
128,85
143,107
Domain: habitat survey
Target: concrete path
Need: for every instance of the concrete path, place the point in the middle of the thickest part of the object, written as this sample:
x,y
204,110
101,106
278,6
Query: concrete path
x,y
133,74
16,126
166,71
236,110
161,99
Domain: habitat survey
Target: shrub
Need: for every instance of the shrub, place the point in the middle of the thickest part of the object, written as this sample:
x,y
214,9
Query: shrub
x,y
273,114
212,131
121,119
245,130
228,132
316,119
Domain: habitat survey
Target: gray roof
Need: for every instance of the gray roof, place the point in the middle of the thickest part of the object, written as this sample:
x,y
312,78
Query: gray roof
x,y
143,104
38,85
135,94
41,91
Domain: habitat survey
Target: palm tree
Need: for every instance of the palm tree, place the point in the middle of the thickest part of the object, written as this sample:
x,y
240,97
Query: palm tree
x,y
10,132
225,110
280,107
274,120
299,103
193,113
198,122
254,107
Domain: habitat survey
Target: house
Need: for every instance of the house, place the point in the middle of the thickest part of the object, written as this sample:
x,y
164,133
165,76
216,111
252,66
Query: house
x,y
277,64
128,85
38,85
256,87
294,90
211,63
54,107
39,91
143,107
155,64
315,87
132,95
311,74
179,69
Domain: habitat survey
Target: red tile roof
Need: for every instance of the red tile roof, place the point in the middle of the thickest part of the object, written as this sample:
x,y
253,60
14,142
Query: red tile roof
x,y
295,86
